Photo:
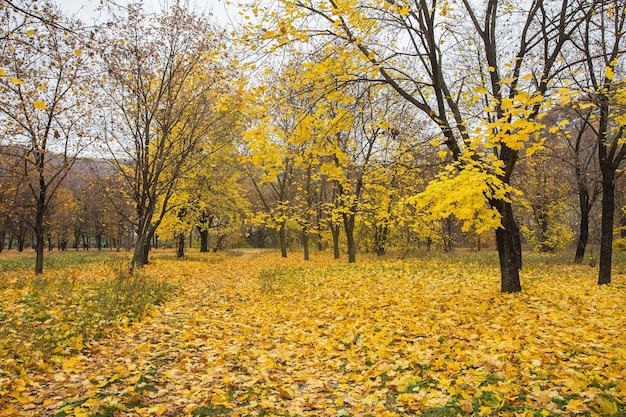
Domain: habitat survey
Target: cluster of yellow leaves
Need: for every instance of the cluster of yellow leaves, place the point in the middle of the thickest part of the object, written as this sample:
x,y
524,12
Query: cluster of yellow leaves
x,y
463,189
266,336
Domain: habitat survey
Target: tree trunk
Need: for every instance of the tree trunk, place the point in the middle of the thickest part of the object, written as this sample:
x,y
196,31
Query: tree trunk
x,y
608,213
99,236
348,224
204,240
509,249
180,245
282,237
3,235
40,225
305,243
141,251
583,235
448,245
380,238
218,243
334,229
120,232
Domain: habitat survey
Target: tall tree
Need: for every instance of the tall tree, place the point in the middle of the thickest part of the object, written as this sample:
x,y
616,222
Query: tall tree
x,y
163,83
43,91
601,43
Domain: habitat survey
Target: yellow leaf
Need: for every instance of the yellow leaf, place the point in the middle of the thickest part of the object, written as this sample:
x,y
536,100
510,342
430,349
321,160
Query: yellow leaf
x,y
78,52
9,411
491,69
26,399
69,364
576,406
42,106
17,81
484,410
3,72
158,409
81,412
31,32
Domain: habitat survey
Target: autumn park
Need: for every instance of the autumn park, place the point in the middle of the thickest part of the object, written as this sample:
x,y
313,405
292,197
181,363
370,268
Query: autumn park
x,y
313,208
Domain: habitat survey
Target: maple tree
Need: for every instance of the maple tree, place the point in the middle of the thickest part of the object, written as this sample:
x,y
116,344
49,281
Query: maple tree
x,y
163,81
318,150
44,78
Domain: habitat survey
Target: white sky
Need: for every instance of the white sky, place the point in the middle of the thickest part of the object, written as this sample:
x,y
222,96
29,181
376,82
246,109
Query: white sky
x,y
85,10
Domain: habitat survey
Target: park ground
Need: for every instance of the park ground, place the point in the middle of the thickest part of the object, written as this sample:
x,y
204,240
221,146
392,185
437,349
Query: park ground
x,y
247,333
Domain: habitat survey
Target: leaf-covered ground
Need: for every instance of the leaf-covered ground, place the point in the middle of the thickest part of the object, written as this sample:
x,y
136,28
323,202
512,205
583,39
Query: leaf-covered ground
x,y
247,336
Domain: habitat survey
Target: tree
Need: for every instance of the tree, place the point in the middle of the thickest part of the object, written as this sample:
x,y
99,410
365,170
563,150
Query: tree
x,y
43,89
164,79
601,46
479,73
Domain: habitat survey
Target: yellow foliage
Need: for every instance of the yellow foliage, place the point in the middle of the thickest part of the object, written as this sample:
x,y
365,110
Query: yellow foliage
x,y
38,104
16,81
463,190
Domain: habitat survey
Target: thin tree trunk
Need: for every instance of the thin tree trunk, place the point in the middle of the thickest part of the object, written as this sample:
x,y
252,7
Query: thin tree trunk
x,y
180,245
39,227
380,238
348,223
583,235
334,229
305,243
282,237
218,243
608,214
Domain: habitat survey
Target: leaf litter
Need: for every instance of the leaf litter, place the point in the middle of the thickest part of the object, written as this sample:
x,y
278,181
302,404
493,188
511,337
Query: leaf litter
x,y
265,336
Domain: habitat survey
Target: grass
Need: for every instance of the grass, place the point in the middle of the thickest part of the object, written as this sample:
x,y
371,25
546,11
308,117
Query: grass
x,y
16,261
75,302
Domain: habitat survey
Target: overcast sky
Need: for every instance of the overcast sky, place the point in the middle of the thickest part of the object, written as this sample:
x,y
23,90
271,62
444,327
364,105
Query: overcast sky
x,y
85,10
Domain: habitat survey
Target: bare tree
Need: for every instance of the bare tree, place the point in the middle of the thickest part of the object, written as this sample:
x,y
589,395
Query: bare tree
x,y
602,44
42,95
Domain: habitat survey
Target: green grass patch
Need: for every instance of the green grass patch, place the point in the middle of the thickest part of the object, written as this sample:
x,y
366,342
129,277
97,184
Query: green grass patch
x,y
60,314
